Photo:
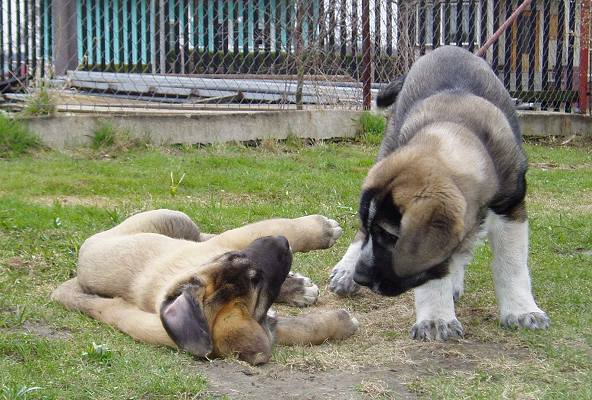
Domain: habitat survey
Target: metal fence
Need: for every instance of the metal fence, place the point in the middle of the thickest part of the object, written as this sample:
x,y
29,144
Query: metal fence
x,y
282,53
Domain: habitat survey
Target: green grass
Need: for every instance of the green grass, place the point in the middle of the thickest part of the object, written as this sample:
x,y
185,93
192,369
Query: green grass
x,y
40,103
51,202
15,138
371,127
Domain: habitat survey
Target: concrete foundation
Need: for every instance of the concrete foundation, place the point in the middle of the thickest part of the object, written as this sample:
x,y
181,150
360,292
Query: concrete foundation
x,y
205,127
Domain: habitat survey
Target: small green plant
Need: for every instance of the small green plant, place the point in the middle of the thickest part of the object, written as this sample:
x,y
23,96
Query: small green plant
x,y
174,186
371,128
40,103
15,138
110,138
98,353
14,393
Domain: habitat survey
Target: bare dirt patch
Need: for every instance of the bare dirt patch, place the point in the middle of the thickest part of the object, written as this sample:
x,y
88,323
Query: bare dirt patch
x,y
379,362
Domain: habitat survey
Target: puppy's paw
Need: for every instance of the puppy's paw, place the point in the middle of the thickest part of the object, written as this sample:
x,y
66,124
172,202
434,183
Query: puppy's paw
x,y
342,279
331,231
530,320
428,330
348,325
298,290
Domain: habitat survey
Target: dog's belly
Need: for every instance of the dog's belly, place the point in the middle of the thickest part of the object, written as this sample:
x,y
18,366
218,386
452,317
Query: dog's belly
x,y
109,266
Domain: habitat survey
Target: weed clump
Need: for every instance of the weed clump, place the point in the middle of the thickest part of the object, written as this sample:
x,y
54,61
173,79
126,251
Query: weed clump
x,y
15,138
109,138
371,128
40,103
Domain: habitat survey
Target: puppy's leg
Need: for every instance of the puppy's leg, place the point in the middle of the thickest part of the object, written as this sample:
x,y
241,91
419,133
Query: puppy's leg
x,y
298,290
313,328
434,307
509,242
170,223
142,326
342,276
311,232
457,274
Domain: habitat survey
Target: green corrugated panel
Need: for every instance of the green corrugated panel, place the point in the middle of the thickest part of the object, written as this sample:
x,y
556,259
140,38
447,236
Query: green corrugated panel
x,y
89,33
116,33
143,30
134,17
107,31
125,39
79,30
98,34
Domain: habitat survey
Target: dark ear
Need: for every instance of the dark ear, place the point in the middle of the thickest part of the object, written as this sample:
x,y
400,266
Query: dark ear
x,y
388,95
430,231
184,321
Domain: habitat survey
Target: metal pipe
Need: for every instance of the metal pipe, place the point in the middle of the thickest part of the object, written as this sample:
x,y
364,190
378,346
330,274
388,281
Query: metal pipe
x,y
502,28
584,56
366,56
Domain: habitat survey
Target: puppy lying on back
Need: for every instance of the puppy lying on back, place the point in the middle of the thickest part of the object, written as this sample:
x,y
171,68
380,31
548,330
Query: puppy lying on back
x,y
158,279
451,164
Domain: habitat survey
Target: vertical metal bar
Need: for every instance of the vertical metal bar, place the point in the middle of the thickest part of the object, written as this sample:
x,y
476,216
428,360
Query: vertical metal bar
x,y
583,100
43,34
18,16
459,23
2,72
495,58
532,45
64,30
472,26
422,27
245,18
571,4
256,31
436,24
519,52
366,56
27,26
377,29
447,24
267,28
343,28
483,21
559,54
354,29
186,50
235,28
34,27
545,56
389,28
508,47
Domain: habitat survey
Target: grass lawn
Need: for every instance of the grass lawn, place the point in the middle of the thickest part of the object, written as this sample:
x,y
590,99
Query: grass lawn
x,y
50,202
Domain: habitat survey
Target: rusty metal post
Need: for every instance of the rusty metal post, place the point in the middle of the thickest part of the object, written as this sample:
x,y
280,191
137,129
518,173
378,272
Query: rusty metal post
x,y
64,36
583,96
366,56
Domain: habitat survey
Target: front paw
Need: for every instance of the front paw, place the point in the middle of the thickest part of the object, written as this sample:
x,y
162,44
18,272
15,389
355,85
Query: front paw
x,y
348,325
298,290
342,279
428,330
530,320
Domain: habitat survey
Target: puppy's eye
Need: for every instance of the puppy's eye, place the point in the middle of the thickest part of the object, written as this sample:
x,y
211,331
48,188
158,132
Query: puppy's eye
x,y
387,232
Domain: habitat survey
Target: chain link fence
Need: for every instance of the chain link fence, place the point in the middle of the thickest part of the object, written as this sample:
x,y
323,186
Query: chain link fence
x,y
280,54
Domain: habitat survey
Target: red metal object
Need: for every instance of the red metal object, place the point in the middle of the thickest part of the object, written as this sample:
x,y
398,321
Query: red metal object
x,y
503,27
366,56
583,96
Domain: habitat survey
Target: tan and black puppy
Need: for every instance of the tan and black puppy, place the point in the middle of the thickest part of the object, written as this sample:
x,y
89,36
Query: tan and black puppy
x,y
451,165
159,279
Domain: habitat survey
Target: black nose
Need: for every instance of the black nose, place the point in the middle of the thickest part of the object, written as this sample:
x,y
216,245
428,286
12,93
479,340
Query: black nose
x,y
363,274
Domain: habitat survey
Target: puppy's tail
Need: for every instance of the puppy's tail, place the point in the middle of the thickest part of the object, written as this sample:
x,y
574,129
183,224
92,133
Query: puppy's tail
x,y
388,95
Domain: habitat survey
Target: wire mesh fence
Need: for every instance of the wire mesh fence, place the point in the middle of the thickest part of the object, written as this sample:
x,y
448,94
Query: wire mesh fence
x,y
282,53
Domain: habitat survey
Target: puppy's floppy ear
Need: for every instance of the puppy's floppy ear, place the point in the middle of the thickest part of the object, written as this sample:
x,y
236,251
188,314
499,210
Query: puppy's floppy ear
x,y
183,318
430,230
388,95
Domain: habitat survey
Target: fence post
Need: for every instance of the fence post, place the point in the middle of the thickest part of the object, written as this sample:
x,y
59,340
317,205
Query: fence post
x,y
65,52
366,56
584,49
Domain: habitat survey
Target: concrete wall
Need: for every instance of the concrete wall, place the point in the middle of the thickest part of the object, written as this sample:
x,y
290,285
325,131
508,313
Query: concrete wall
x,y
65,131
210,127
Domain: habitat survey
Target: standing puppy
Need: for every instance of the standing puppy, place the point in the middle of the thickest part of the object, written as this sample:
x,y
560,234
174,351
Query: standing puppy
x,y
451,162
